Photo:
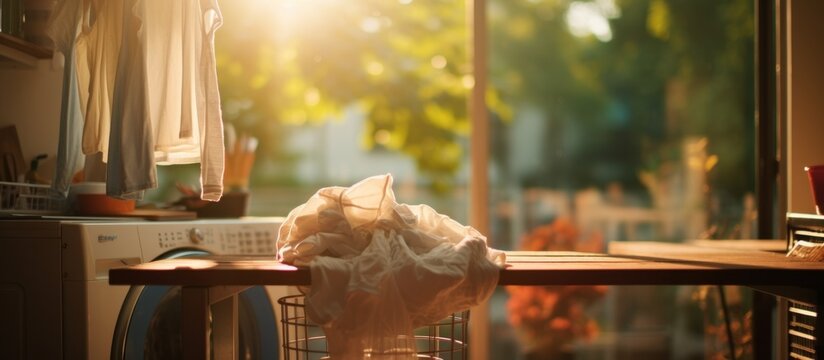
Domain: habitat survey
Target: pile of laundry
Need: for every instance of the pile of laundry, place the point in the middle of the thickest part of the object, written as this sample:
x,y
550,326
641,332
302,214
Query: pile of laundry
x,y
380,269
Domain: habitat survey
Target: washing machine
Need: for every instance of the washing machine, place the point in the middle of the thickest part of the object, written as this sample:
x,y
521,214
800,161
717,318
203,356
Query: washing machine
x,y
56,302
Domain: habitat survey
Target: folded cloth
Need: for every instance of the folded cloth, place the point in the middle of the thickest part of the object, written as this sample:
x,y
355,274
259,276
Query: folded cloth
x,y
381,269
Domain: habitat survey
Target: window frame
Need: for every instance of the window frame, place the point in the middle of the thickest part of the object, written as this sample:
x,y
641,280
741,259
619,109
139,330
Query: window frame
x,y
770,124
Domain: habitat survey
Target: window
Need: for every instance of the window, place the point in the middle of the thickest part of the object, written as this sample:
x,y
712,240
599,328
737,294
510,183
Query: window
x,y
627,121
609,120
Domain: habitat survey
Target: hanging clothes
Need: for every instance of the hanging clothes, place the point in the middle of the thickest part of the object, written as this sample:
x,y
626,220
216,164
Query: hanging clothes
x,y
183,85
171,37
98,48
63,30
167,54
211,120
140,90
130,167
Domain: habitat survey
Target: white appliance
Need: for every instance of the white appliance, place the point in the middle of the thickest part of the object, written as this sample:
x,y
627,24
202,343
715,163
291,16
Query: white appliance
x,y
55,300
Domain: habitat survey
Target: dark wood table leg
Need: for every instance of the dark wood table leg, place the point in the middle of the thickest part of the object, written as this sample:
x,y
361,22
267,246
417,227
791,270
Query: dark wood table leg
x,y
763,306
209,321
195,326
224,300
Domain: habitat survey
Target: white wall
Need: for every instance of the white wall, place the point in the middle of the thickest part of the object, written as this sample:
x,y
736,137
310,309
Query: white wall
x,y
805,99
30,100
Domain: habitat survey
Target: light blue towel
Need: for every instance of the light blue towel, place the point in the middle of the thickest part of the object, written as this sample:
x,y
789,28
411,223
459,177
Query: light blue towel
x,y
64,27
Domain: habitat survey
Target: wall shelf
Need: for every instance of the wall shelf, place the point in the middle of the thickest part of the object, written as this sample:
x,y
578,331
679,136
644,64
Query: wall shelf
x,y
21,51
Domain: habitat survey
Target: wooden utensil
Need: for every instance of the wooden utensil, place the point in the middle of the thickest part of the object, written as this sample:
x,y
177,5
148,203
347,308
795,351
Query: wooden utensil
x,y
11,155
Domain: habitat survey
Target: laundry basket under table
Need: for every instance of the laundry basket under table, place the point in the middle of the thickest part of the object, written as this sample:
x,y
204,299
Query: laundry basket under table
x,y
302,339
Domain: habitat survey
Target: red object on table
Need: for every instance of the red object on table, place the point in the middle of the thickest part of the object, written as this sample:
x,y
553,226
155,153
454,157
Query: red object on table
x,y
816,175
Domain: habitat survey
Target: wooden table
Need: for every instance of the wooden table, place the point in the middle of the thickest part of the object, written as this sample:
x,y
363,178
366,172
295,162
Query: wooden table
x,y
214,281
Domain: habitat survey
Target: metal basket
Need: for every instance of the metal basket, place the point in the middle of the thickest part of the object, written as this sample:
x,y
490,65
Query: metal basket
x,y
302,339
21,198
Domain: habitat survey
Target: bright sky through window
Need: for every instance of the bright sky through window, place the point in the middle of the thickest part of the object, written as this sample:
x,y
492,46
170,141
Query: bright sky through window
x,y
592,18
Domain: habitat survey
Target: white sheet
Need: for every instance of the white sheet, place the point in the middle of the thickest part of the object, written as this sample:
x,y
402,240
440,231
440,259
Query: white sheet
x,y
381,269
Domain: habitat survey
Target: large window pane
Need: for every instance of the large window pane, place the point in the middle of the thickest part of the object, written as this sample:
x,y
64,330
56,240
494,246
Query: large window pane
x,y
627,121
611,120
337,91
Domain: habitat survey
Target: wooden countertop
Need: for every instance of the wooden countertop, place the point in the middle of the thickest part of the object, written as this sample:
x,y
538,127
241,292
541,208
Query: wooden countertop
x,y
654,263
211,270
628,263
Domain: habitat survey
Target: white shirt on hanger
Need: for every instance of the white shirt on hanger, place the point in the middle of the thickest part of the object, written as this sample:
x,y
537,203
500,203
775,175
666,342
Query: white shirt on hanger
x,y
169,56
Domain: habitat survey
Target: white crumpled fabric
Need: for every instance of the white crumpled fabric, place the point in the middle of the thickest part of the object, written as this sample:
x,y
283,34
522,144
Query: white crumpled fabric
x,y
380,269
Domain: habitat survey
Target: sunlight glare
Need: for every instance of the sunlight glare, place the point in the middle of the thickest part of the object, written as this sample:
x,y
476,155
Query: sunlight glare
x,y
293,16
468,81
311,97
592,18
383,137
180,264
438,62
370,25
374,68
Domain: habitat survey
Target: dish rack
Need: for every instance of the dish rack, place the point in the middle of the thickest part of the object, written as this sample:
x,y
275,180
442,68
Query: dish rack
x,y
22,198
803,328
302,339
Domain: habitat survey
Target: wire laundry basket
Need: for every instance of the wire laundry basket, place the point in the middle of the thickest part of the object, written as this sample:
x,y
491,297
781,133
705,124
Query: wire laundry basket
x,y
22,198
302,339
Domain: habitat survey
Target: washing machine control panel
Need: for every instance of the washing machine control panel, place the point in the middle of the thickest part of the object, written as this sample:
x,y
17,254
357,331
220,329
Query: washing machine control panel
x,y
249,241
225,237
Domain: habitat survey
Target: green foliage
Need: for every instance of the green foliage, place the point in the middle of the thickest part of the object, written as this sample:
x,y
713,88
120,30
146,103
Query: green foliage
x,y
671,69
404,65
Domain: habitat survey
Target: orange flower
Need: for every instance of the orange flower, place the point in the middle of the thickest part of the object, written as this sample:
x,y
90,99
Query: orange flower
x,y
555,311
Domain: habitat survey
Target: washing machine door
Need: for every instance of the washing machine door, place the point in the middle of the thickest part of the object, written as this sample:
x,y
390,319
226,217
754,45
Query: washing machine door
x,y
148,326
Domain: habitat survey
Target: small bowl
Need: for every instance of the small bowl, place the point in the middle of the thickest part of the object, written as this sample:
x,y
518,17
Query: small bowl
x,y
102,204
90,199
